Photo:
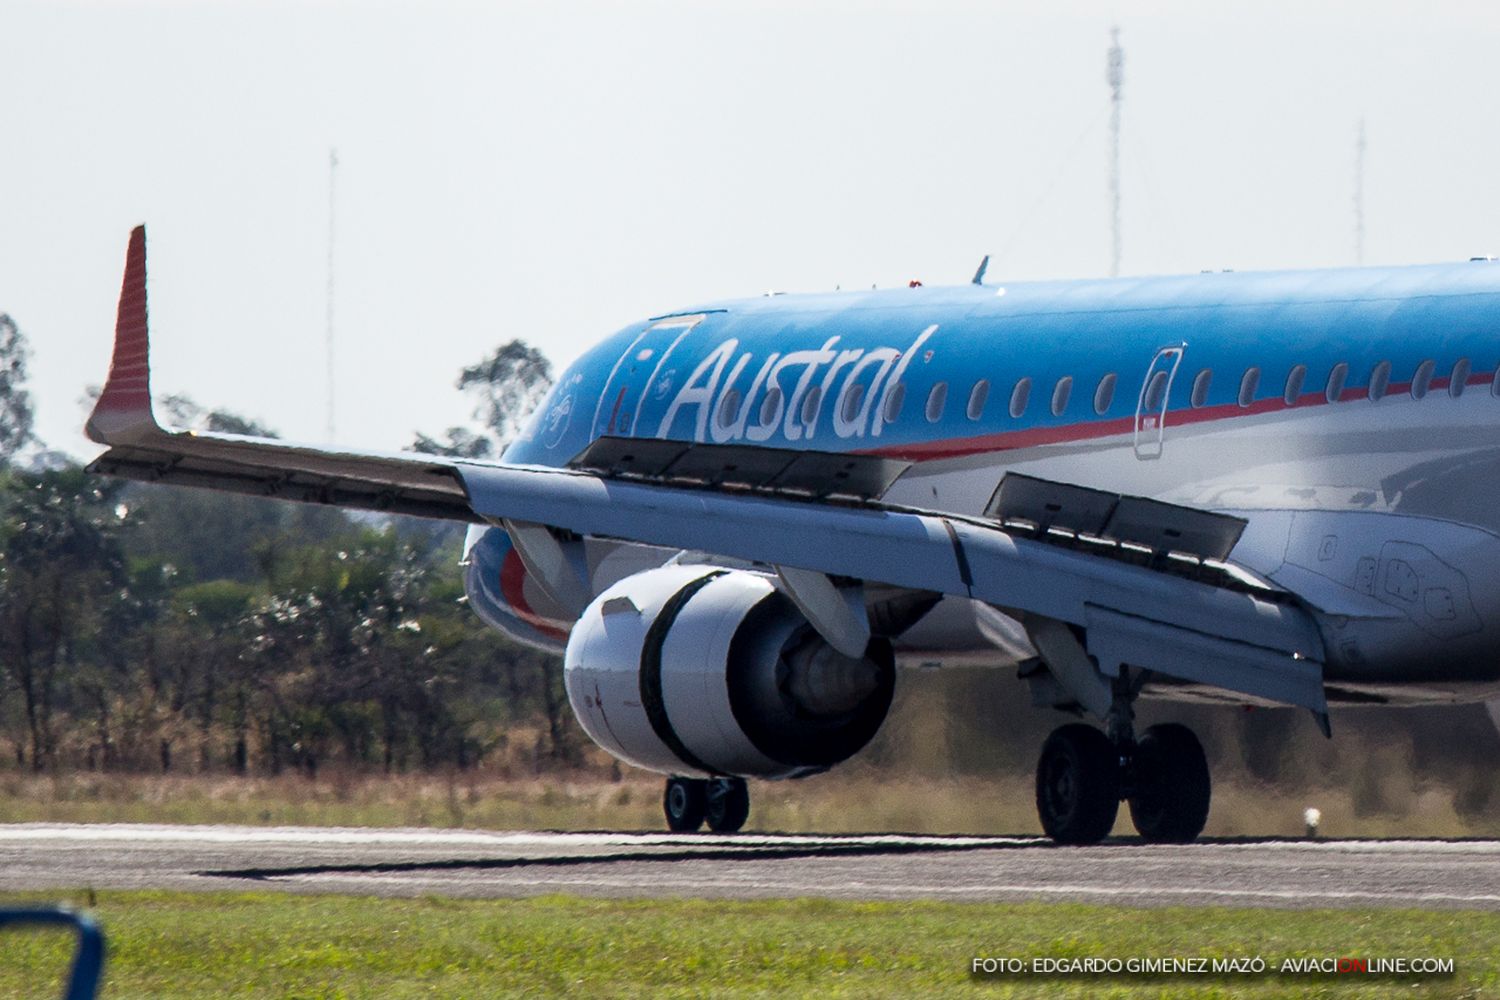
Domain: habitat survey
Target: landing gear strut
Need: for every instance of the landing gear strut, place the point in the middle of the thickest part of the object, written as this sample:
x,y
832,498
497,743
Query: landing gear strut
x,y
1083,775
723,802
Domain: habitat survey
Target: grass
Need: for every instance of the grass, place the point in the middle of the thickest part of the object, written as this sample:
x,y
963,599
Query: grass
x,y
852,799
187,945
956,755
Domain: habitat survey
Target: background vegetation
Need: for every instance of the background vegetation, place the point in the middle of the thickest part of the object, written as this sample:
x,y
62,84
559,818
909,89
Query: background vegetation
x,y
147,629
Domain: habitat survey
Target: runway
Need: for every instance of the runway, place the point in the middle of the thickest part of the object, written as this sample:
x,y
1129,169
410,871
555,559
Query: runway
x,y
1428,874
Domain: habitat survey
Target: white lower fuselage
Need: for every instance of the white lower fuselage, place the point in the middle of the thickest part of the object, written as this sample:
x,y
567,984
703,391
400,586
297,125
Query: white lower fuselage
x,y
1382,516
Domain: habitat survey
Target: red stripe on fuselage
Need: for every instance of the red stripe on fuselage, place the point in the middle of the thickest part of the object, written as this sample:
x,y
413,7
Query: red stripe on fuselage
x,y
1034,437
512,588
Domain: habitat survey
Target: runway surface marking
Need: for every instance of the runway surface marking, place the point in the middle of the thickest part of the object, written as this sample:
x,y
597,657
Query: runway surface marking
x,y
1320,898
143,832
474,863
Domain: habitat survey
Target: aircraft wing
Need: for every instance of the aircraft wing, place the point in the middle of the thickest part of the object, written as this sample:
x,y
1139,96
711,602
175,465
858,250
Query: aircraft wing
x,y
1197,622
141,449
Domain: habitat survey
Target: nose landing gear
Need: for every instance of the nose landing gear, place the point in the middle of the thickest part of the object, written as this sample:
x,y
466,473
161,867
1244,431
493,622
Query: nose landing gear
x,y
728,805
723,802
685,803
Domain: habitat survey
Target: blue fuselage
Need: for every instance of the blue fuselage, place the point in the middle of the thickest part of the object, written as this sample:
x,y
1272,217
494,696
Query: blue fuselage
x,y
670,377
1350,415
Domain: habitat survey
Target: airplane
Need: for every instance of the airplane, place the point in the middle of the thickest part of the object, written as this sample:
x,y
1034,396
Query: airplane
x,y
735,520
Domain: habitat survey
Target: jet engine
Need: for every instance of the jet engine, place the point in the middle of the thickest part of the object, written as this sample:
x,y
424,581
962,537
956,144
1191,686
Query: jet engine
x,y
701,671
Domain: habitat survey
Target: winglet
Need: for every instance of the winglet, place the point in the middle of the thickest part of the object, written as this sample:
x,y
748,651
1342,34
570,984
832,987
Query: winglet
x,y
123,412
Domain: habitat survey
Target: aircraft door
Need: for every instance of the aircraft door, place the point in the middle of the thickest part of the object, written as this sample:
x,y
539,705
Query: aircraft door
x,y
1151,405
644,362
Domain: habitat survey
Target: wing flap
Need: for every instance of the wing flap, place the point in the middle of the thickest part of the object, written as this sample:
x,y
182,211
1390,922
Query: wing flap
x,y
258,467
1115,639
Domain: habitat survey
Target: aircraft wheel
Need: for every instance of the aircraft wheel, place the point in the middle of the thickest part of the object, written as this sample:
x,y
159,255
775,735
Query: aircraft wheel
x,y
1078,785
1170,785
685,803
728,804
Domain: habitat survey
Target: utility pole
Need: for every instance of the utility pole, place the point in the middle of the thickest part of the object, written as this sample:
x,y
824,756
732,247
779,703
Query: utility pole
x,y
333,168
1359,194
1115,77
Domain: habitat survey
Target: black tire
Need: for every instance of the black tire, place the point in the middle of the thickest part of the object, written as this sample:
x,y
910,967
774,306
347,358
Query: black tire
x,y
728,805
1170,785
1078,785
686,803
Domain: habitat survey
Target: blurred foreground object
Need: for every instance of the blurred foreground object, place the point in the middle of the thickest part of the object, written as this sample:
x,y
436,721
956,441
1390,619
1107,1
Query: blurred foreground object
x,y
88,958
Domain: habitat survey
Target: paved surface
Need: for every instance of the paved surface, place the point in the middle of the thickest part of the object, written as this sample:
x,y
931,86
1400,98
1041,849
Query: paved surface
x,y
1425,873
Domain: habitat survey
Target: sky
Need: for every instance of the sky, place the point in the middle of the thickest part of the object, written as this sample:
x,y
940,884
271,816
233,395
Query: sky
x,y
554,171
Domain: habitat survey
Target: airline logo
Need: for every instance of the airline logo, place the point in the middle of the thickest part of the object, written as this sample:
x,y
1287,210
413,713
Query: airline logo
x,y
788,394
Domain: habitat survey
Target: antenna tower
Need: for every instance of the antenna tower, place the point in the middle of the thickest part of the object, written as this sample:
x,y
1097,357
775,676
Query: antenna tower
x,y
1359,194
1115,77
333,168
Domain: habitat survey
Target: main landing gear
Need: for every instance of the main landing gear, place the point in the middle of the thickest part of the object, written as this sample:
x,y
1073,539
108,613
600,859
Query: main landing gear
x,y
1083,775
724,803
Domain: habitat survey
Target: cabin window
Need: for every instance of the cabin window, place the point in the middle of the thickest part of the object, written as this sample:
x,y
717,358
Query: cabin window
x,y
729,407
852,399
810,404
1422,380
1060,395
1334,391
770,407
1248,385
1459,380
977,398
1379,379
936,400
1105,394
1294,380
1156,391
1022,395
893,401
1201,383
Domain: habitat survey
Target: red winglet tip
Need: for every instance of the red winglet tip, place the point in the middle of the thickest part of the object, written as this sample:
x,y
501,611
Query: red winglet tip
x,y
125,404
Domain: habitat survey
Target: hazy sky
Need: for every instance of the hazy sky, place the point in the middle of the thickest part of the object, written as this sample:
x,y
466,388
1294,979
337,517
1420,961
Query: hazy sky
x,y
554,171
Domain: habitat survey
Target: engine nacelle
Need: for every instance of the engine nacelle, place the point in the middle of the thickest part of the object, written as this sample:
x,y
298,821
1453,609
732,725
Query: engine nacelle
x,y
701,671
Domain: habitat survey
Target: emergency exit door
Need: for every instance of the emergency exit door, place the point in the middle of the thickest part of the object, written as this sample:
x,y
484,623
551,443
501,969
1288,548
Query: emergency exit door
x,y
1151,405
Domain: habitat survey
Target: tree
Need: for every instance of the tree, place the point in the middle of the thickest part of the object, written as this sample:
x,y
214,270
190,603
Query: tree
x,y
203,635
340,644
60,565
461,443
15,401
205,535
146,627
182,411
506,386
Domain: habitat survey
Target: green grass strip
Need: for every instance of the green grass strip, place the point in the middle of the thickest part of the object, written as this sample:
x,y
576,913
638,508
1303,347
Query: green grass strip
x,y
171,945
